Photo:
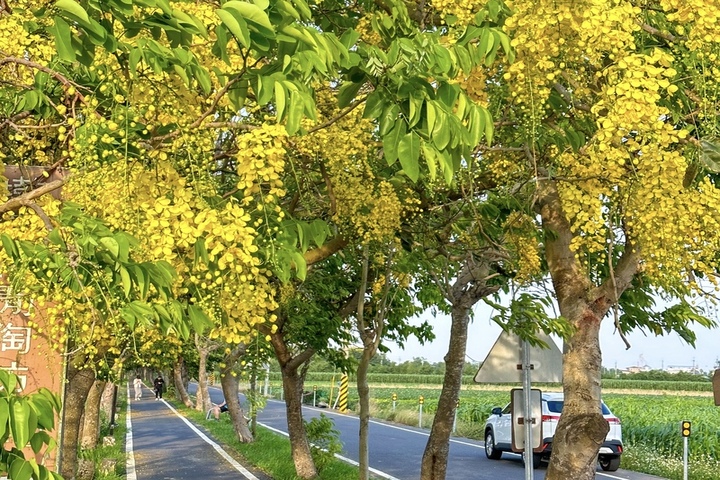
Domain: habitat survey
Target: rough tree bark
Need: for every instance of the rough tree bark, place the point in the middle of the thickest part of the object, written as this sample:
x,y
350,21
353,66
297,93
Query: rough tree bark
x,y
469,287
229,384
293,383
202,400
179,382
79,382
582,428
91,418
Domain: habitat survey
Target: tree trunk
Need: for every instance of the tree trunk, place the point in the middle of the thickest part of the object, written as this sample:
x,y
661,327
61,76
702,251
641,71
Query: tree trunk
x,y
230,390
107,402
434,461
364,399
180,384
469,287
79,383
293,383
202,400
229,384
582,428
293,390
91,422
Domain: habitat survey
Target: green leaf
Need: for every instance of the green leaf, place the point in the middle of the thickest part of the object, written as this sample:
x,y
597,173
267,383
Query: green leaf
x,y
20,469
111,245
73,8
9,246
488,122
201,252
126,282
236,24
199,319
9,381
374,104
347,93
300,265
4,416
319,231
710,154
391,141
20,421
430,156
279,100
409,154
441,135
43,408
416,104
141,279
475,125
295,113
38,440
252,14
63,40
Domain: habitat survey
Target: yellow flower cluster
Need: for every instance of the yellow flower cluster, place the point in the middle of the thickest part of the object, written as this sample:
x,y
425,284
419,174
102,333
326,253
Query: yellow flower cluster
x,y
260,162
520,231
464,10
549,36
474,84
699,18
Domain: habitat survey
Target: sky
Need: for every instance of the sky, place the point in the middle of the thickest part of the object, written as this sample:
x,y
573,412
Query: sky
x,y
656,352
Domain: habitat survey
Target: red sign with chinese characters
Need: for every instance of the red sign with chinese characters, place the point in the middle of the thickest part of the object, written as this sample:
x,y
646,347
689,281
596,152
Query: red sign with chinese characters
x,y
22,179
25,353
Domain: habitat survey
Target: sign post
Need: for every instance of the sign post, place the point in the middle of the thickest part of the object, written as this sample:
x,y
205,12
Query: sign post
x,y
685,428
546,366
716,387
529,419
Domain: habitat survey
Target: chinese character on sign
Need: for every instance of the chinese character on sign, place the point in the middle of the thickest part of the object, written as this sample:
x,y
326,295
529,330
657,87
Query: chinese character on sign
x,y
10,301
18,186
15,338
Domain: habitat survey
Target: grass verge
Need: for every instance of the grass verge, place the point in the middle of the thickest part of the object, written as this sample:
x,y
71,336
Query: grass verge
x,y
109,457
269,453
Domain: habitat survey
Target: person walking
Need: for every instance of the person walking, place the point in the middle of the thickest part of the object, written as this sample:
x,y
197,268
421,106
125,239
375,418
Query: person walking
x,y
137,383
159,386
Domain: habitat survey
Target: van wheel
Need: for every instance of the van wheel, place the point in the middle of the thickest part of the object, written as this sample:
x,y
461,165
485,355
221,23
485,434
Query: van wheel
x,y
609,464
490,451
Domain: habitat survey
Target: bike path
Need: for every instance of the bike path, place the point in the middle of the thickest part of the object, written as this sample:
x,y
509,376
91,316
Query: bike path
x,y
163,445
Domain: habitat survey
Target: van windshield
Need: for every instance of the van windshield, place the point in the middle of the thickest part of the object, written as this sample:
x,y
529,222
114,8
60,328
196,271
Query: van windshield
x,y
556,406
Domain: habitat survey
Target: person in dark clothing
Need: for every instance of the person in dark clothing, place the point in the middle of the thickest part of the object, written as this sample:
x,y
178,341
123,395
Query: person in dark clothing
x,y
159,386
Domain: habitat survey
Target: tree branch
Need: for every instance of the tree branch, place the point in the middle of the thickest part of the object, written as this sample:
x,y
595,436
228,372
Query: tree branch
x,y
321,253
26,199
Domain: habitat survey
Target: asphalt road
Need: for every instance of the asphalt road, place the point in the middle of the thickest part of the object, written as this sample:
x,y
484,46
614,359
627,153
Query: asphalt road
x,y
396,450
163,445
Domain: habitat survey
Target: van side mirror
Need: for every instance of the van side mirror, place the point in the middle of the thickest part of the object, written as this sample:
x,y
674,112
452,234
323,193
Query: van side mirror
x,y
497,411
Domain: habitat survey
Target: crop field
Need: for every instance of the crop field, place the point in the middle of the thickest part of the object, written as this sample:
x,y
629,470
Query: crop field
x,y
650,421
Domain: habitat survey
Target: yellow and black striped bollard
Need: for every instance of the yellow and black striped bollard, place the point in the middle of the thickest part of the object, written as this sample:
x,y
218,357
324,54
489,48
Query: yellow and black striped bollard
x,y
343,395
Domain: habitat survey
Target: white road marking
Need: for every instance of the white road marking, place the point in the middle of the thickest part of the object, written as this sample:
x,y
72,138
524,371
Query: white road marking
x,y
218,448
404,429
130,462
338,456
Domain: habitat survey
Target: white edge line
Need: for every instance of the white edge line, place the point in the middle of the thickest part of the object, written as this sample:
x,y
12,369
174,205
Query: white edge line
x,y
217,447
130,461
389,425
610,476
338,456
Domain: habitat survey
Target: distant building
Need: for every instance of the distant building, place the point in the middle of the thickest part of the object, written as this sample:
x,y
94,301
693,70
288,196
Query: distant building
x,y
636,369
683,369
